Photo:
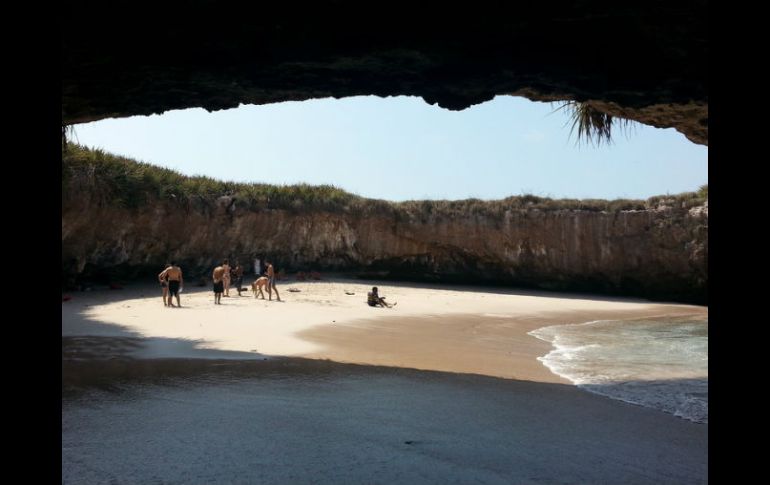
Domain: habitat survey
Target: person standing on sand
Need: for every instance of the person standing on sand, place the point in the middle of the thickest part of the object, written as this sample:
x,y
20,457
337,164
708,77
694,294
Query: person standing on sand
x,y
175,282
226,277
271,282
238,271
164,284
218,277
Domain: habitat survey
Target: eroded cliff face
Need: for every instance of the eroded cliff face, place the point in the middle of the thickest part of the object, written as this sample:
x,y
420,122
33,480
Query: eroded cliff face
x,y
661,253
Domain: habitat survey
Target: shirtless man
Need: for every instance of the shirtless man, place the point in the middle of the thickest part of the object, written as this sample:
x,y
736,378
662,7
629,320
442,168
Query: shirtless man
x,y
175,281
271,282
257,286
219,285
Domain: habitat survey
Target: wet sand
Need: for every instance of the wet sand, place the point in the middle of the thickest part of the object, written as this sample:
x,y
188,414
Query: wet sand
x,y
286,421
447,390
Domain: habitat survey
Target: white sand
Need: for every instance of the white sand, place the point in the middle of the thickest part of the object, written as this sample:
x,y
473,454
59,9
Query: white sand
x,y
444,328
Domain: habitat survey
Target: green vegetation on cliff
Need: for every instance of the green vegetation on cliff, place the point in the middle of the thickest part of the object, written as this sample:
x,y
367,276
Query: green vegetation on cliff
x,y
118,181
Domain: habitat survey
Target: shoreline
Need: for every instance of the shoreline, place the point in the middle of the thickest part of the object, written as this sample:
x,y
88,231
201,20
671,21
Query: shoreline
x,y
444,388
433,327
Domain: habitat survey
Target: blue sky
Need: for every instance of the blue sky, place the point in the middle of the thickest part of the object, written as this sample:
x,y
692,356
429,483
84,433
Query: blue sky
x,y
401,148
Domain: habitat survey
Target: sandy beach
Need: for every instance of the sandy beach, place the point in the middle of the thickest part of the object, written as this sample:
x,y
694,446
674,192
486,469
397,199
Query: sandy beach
x,y
442,328
424,354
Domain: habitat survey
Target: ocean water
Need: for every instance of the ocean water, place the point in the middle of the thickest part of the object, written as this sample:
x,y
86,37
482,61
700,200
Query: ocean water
x,y
660,363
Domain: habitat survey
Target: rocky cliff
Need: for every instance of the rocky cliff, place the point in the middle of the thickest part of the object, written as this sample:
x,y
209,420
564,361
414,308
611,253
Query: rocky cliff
x,y
659,252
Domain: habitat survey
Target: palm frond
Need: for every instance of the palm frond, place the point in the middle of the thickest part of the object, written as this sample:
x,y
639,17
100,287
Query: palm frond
x,y
593,126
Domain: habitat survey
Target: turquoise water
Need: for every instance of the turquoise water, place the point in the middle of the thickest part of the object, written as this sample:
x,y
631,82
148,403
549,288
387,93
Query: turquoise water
x,y
660,363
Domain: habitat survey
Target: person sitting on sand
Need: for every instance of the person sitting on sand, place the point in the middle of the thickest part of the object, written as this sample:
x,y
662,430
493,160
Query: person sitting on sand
x,y
374,299
257,286
175,282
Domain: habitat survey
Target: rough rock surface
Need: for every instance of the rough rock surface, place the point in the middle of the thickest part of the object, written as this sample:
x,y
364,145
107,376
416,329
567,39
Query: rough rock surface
x,y
659,253
644,60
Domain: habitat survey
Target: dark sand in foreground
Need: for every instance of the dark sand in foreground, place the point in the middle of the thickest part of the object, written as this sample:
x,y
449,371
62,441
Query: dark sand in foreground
x,y
301,421
482,410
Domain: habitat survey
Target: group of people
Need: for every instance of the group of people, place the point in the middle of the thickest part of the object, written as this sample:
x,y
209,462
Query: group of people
x,y
228,275
221,281
172,282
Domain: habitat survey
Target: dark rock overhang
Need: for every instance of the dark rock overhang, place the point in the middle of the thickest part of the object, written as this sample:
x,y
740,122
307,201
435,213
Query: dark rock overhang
x,y
642,60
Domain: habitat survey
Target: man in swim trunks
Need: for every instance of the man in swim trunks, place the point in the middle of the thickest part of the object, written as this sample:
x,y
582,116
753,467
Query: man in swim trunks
x,y
175,281
271,282
219,285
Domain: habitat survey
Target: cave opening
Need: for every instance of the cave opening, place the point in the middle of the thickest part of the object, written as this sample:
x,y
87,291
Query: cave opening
x,y
403,160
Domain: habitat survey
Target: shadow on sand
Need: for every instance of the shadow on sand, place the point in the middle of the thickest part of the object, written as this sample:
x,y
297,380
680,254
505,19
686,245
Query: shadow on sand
x,y
292,420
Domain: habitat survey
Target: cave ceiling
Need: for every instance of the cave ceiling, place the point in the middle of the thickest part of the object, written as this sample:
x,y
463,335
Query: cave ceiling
x,y
641,60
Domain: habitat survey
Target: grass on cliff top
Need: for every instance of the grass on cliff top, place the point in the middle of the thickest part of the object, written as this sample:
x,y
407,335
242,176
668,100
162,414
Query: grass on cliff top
x,y
118,181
